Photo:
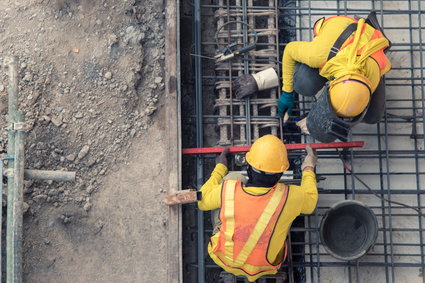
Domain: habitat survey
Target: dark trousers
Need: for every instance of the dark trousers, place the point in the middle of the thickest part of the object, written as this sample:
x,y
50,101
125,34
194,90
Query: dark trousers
x,y
308,82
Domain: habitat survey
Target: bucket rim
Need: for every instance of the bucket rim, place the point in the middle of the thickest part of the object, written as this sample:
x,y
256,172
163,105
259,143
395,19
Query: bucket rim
x,y
338,205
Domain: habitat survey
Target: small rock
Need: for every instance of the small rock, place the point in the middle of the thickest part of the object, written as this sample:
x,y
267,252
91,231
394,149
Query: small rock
x,y
70,157
28,77
91,162
90,189
112,38
78,115
132,132
108,75
150,110
83,152
39,198
87,206
57,121
25,207
1,88
158,80
46,241
66,219
99,22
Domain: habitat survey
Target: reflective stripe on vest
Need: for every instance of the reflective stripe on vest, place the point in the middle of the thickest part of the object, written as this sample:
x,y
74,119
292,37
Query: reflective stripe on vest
x,y
273,205
371,43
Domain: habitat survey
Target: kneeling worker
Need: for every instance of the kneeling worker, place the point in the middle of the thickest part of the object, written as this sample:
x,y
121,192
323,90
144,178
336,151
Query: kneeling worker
x,y
346,56
255,214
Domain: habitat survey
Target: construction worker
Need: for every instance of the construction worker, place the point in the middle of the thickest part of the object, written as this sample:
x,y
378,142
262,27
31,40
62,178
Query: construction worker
x,y
254,215
347,55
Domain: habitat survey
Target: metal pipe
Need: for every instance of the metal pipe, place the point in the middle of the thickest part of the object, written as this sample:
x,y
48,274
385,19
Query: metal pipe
x,y
49,175
11,64
199,132
18,201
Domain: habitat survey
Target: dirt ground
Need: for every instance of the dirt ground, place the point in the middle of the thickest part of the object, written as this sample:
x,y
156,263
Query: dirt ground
x,y
91,88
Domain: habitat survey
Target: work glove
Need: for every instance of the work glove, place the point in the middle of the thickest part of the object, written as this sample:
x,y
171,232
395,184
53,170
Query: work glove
x,y
244,86
222,158
249,84
303,126
310,159
285,103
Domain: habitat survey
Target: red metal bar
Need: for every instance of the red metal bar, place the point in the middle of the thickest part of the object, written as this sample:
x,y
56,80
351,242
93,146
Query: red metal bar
x,y
298,146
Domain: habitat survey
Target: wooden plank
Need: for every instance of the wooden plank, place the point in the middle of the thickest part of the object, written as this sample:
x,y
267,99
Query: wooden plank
x,y
182,197
173,134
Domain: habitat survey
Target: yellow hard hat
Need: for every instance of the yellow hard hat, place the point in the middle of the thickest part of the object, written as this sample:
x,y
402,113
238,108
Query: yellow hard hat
x,y
349,95
268,154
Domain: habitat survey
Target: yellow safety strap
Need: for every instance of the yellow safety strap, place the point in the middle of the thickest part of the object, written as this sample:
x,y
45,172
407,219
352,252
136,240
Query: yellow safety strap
x,y
347,61
353,53
229,215
261,225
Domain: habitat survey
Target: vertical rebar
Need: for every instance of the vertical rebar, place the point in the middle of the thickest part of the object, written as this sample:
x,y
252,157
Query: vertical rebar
x,y
422,94
246,71
199,132
388,190
232,138
381,184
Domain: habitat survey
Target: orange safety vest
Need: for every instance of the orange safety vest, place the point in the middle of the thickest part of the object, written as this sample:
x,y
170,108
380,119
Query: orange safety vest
x,y
247,225
368,34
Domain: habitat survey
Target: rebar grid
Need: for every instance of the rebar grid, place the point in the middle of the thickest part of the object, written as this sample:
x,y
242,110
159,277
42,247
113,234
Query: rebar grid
x,y
392,162
260,24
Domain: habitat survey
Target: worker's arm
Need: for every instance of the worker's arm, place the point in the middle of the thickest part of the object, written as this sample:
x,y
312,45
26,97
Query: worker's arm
x,y
309,186
305,52
312,53
211,190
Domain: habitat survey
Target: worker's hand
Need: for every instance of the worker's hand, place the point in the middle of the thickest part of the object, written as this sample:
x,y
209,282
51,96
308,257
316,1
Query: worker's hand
x,y
310,160
247,85
303,126
244,86
222,158
285,103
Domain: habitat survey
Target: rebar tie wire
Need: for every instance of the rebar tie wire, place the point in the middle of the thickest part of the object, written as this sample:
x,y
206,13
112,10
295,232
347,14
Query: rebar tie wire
x,y
235,22
345,165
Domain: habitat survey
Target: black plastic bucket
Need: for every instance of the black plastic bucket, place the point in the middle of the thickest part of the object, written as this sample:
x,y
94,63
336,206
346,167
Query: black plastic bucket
x,y
348,230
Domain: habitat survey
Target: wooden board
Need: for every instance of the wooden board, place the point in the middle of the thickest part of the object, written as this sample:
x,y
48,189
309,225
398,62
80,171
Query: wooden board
x,y
173,128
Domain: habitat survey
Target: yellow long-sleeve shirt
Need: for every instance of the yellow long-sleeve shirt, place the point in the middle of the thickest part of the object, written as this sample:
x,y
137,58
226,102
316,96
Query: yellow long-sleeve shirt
x,y
301,200
315,53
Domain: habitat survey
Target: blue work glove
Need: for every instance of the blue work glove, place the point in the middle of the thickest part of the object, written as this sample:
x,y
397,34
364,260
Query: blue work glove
x,y
285,103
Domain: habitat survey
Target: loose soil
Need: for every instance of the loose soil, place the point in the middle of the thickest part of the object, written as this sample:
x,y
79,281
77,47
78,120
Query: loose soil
x,y
91,88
